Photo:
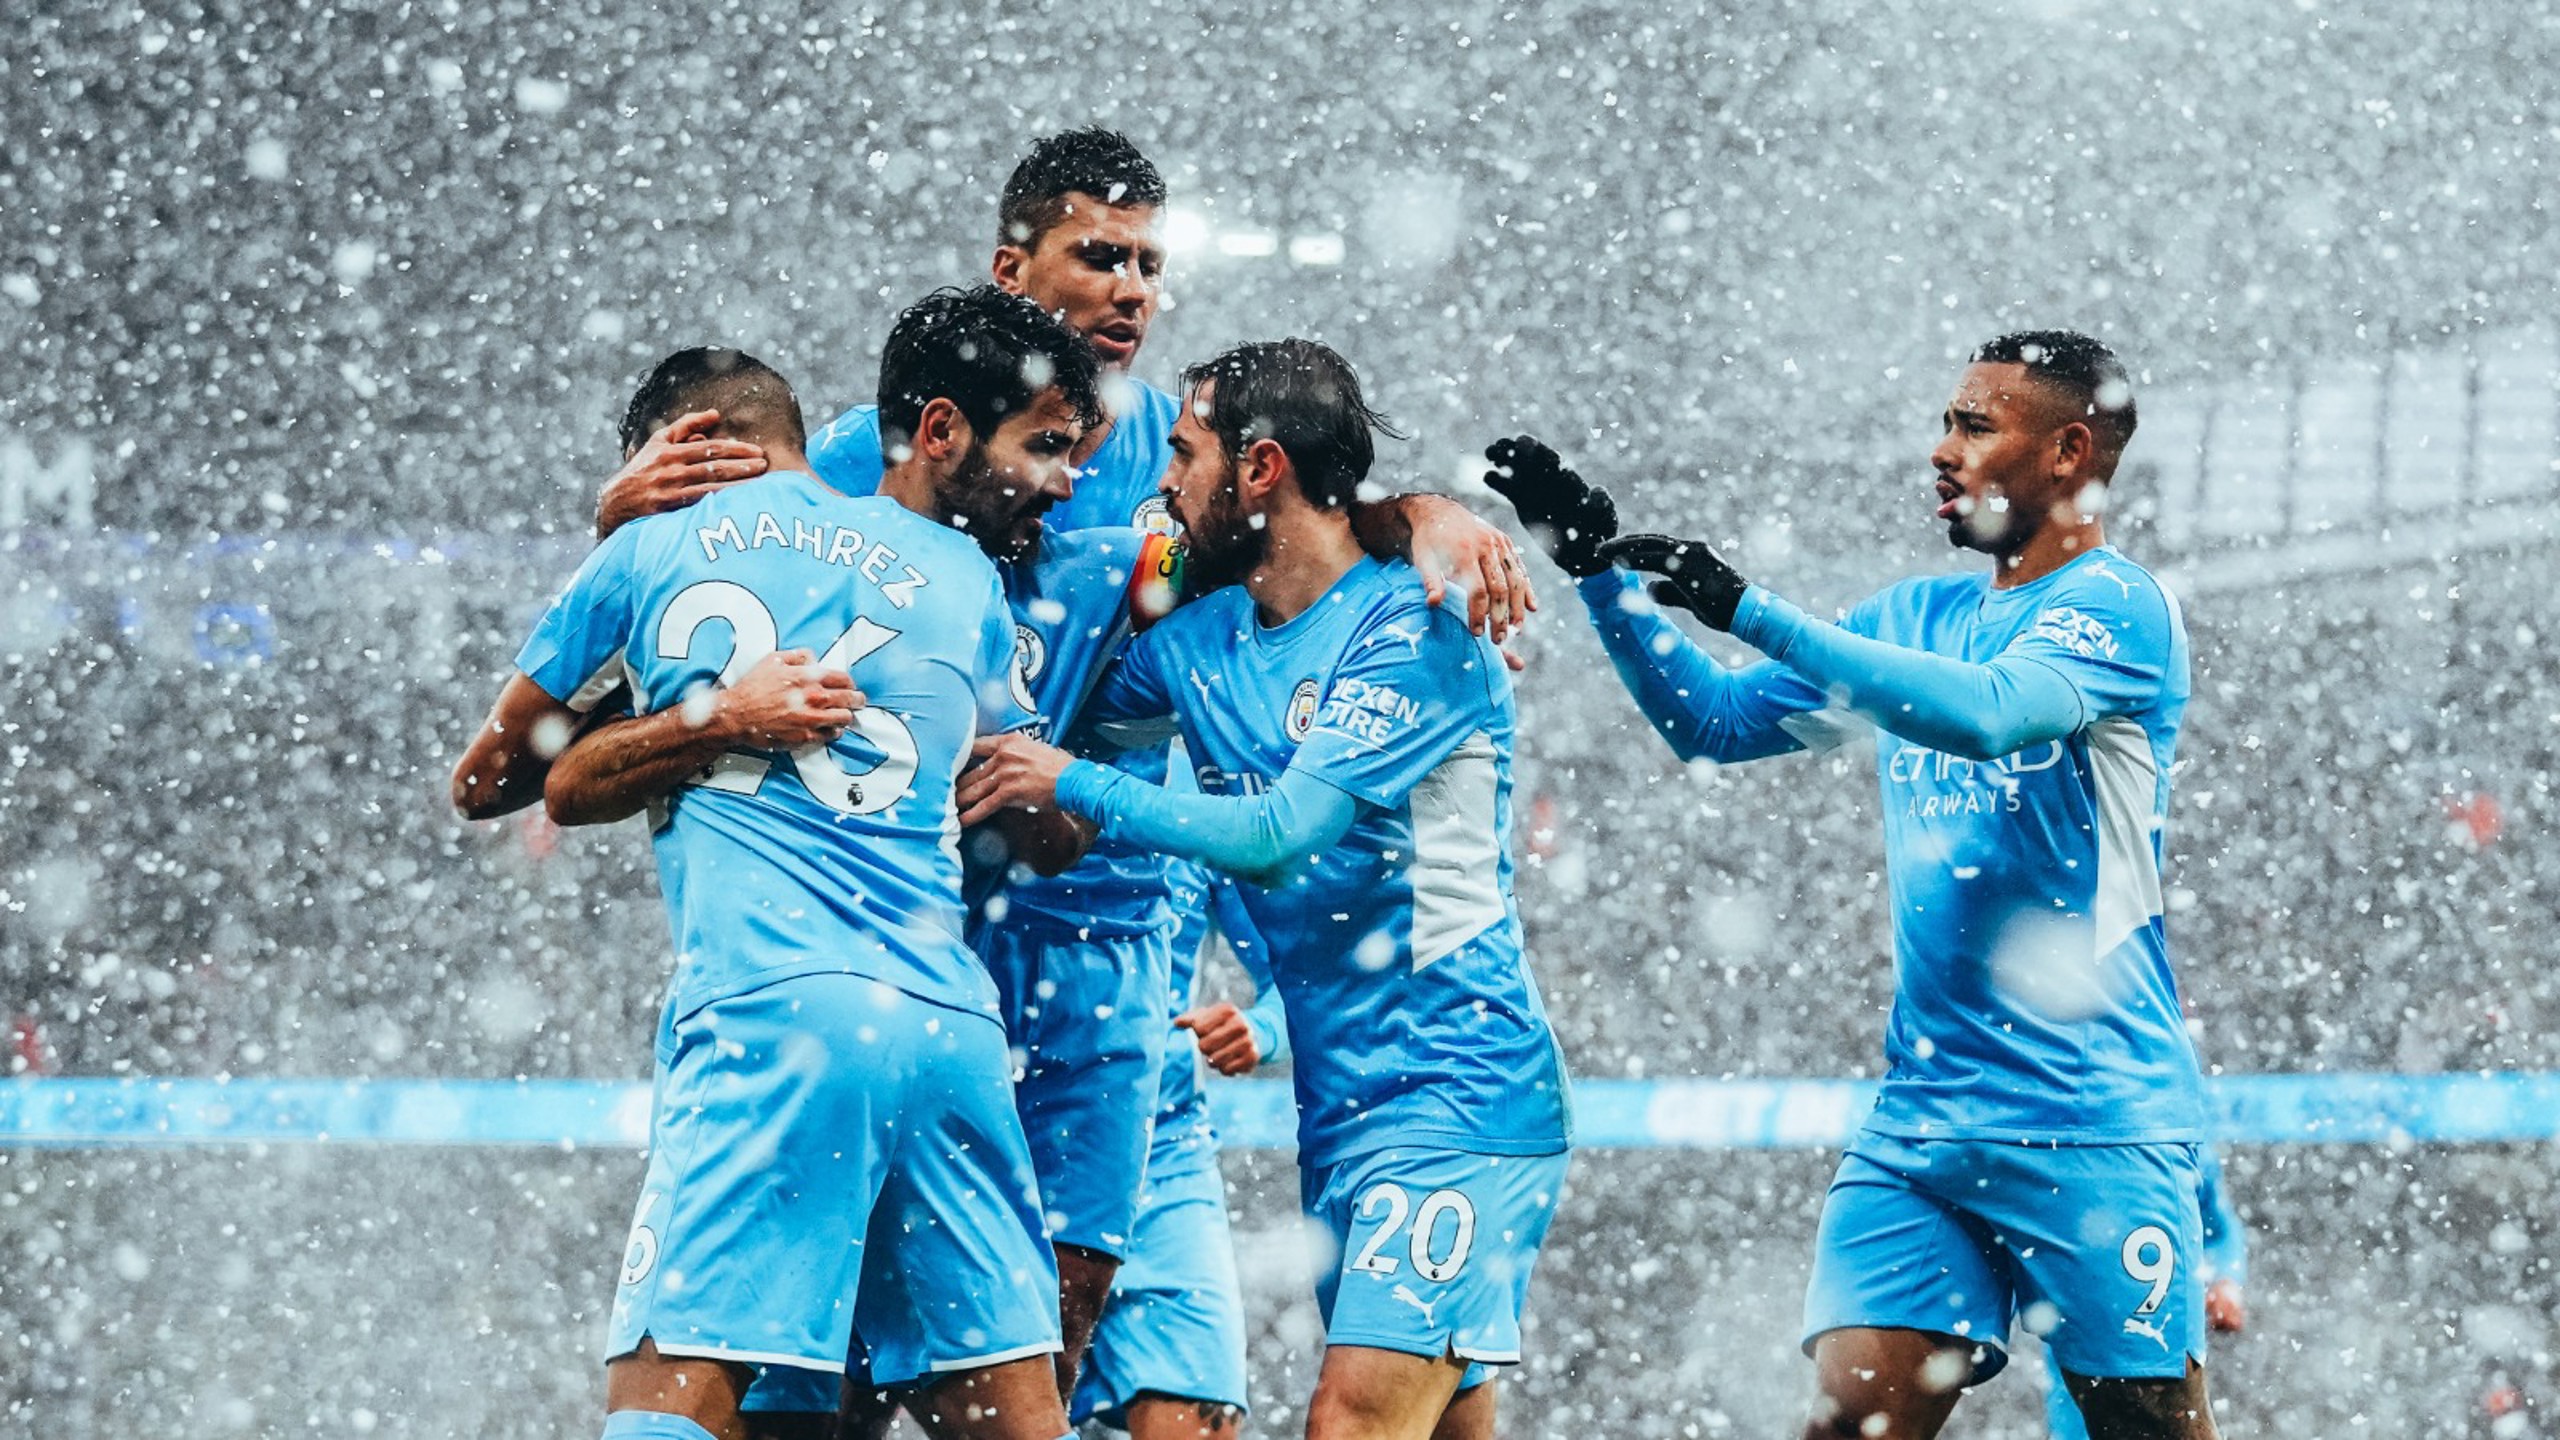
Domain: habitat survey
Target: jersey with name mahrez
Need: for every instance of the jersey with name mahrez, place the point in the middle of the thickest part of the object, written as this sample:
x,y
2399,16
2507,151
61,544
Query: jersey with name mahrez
x,y
1412,1013
831,859
1105,553
2033,996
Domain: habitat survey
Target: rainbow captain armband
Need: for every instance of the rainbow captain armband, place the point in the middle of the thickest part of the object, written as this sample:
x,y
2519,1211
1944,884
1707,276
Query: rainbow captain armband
x,y
1155,582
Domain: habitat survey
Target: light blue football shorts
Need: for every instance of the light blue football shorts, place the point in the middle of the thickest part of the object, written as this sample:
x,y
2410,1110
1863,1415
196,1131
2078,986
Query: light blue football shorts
x,y
1435,1248
2094,1247
813,1143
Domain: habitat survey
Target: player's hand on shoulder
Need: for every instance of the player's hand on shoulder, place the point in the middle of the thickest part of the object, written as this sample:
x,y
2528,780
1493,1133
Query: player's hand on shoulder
x,y
1226,1038
1569,515
786,701
1452,545
1695,577
678,466
1010,772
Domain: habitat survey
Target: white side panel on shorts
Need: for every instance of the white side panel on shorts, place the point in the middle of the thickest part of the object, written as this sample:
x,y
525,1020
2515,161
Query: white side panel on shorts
x,y
2128,785
1457,854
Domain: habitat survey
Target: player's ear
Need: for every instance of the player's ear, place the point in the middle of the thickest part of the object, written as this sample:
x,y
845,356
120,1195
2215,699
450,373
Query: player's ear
x,y
2075,446
942,432
1008,266
1264,465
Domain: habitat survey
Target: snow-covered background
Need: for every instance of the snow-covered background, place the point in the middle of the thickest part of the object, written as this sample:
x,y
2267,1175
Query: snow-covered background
x,y
314,321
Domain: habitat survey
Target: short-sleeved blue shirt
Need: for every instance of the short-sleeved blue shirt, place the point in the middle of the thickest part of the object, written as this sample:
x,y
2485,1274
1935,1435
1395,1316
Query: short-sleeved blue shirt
x,y
841,858
1072,610
1412,1012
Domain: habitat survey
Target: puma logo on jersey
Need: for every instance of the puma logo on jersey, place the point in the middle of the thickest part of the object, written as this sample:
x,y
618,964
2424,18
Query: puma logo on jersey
x,y
1405,1294
2134,1325
1411,635
2099,567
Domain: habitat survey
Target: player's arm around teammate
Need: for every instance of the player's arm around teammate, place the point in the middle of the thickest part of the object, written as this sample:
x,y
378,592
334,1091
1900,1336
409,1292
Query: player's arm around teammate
x,y
1357,770
502,770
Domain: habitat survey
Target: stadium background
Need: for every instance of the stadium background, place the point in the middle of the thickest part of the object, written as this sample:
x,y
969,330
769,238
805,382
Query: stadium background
x,y
314,323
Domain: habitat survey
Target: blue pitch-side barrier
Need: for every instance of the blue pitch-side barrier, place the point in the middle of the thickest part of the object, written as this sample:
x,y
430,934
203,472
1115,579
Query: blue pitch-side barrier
x,y
2315,1109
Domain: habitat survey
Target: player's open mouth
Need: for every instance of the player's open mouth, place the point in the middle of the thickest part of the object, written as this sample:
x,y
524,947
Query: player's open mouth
x,y
1120,338
1950,501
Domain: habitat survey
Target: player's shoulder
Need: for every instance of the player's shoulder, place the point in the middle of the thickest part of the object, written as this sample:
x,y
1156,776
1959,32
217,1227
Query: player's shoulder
x,y
1926,592
922,536
1391,604
2107,581
1157,409
859,425
1219,621
1095,546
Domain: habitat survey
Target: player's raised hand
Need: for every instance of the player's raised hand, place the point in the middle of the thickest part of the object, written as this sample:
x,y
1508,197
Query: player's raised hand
x,y
1010,772
679,465
786,701
1569,515
1450,544
1226,1039
1695,578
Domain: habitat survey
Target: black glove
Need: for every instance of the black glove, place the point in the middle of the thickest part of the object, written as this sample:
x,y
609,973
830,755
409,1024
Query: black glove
x,y
1696,579
1569,515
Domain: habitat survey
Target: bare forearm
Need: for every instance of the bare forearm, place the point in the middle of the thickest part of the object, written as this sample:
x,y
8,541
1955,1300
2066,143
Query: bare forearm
x,y
1384,528
618,769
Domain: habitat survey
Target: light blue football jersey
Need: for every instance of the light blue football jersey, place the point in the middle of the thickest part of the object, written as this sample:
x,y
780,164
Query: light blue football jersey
x,y
1072,606
840,858
2033,995
1412,1013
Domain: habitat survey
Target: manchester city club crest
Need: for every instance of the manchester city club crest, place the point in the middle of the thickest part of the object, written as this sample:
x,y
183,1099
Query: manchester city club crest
x,y
1302,710
1155,516
1030,657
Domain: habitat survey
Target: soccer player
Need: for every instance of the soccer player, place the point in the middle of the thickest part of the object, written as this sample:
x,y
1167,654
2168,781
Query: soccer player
x,y
1081,960
831,1111
2033,1152
1353,750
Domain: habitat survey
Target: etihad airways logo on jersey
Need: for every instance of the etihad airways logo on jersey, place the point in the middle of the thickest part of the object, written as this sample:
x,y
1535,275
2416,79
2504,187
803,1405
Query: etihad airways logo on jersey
x,y
1943,786
827,544
1214,781
2075,632
1368,712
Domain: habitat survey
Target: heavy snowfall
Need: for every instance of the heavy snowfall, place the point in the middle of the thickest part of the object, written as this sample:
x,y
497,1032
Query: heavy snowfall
x,y
316,320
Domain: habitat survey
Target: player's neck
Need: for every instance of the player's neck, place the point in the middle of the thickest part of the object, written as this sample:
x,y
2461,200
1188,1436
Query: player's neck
x,y
911,485
1311,550
1091,444
778,458
2047,551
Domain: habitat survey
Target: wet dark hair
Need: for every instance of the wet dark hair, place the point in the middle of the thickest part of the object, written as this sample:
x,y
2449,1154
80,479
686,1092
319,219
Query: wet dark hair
x,y
753,399
1098,162
1301,394
2077,366
987,352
